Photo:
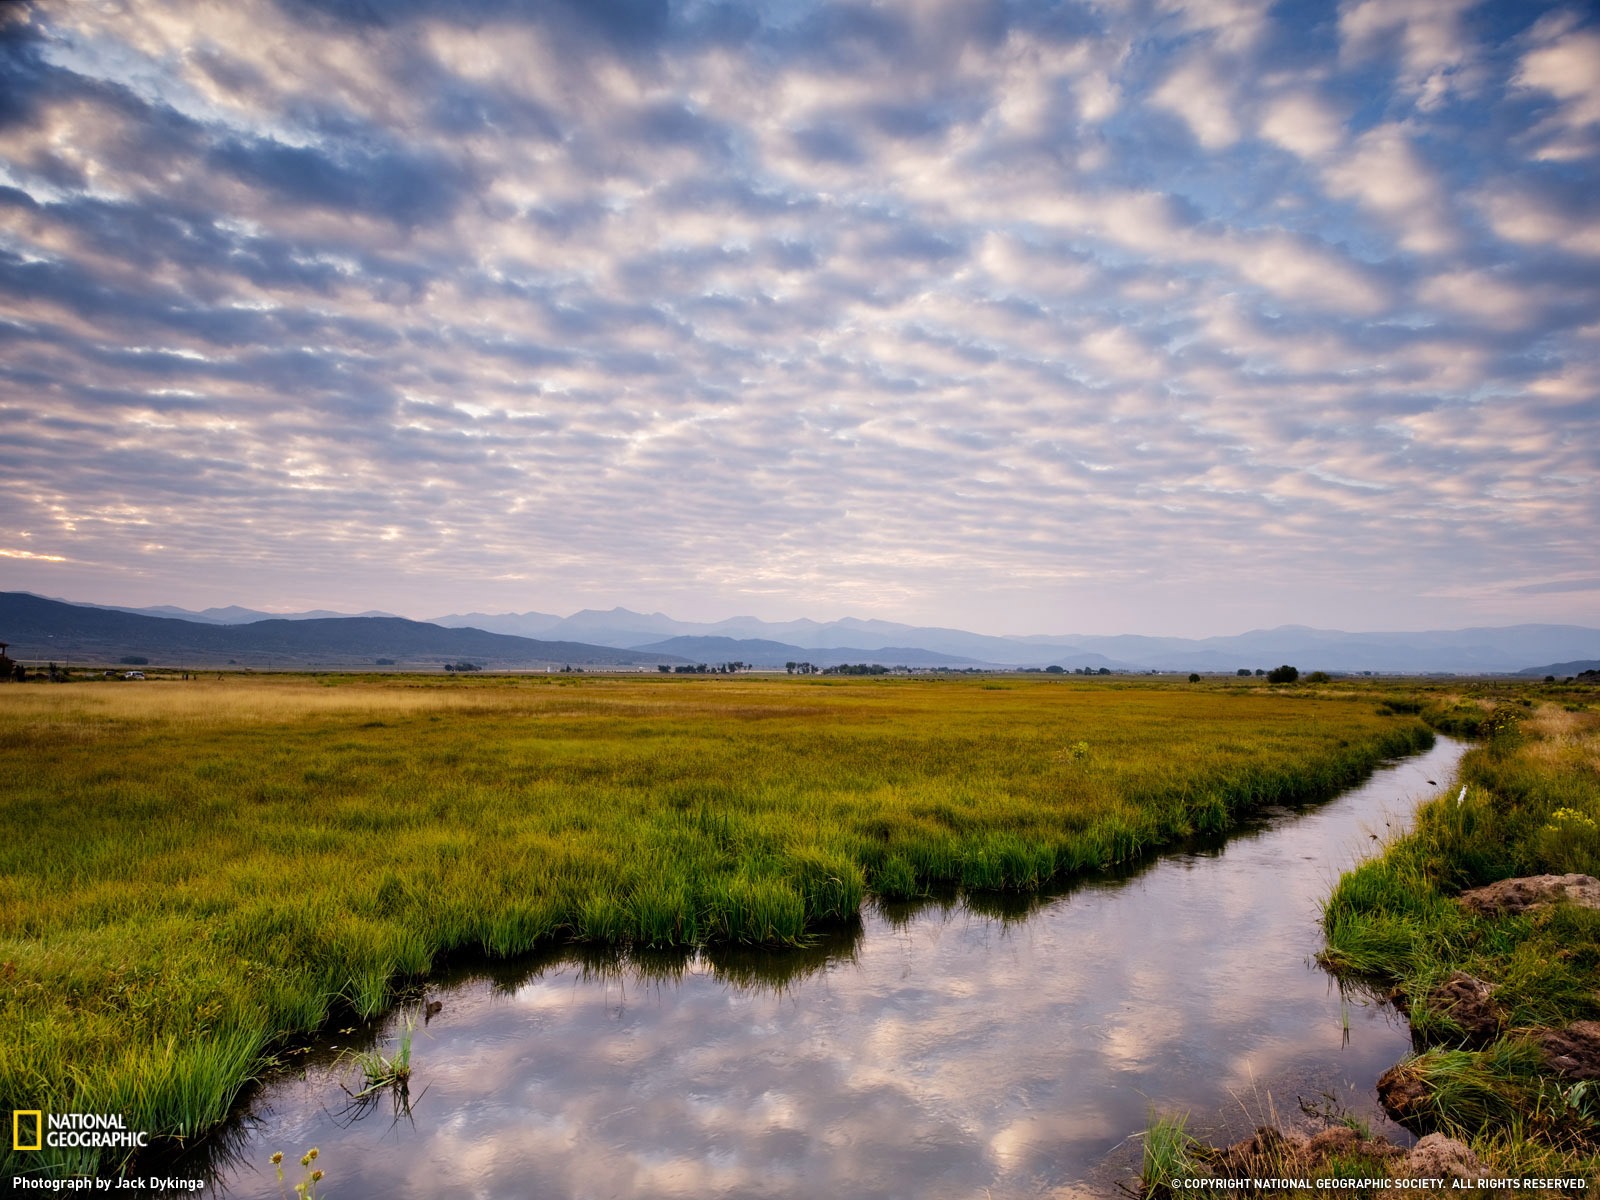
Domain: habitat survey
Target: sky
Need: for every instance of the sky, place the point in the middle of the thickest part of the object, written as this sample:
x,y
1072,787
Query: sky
x,y
1137,316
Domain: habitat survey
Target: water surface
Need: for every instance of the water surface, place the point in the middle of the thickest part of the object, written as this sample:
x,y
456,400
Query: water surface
x,y
1000,1048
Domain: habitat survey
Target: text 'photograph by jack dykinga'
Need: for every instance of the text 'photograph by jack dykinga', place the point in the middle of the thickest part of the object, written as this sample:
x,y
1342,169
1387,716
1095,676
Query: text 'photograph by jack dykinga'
x,y
883,599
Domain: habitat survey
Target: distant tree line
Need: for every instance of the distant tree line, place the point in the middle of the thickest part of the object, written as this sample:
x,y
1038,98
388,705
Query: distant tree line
x,y
1283,674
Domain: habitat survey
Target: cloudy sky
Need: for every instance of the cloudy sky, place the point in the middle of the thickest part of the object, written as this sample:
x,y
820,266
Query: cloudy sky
x,y
1164,316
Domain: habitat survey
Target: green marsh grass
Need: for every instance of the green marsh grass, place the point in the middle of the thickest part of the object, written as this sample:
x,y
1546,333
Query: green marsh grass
x,y
193,872
1169,1154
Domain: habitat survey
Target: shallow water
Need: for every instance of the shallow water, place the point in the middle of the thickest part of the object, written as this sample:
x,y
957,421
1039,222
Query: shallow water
x,y
948,1049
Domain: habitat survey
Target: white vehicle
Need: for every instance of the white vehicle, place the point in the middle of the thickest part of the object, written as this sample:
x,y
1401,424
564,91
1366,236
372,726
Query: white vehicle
x,y
133,675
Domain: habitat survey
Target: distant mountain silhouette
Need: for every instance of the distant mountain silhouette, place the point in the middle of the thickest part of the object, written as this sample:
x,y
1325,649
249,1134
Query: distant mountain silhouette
x,y
1504,649
759,652
623,637
40,629
231,615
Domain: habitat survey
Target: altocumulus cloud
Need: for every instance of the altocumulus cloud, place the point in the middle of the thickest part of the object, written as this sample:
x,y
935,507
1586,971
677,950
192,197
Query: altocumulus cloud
x,y
1160,314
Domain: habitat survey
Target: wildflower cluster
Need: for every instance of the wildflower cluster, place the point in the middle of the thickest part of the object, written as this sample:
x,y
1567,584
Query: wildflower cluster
x,y
1572,815
307,1187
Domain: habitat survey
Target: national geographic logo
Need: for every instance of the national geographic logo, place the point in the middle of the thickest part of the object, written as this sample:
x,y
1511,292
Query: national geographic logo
x,y
31,1129
20,1121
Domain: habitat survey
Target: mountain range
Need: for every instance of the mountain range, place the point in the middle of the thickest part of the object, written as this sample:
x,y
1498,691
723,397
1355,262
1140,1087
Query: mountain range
x,y
1477,650
52,630
621,637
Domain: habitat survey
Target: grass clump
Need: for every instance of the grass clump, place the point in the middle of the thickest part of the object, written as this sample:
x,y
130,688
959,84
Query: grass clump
x,y
382,1072
190,873
1169,1154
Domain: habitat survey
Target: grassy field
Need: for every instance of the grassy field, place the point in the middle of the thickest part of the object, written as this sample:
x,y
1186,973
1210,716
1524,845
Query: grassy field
x,y
191,872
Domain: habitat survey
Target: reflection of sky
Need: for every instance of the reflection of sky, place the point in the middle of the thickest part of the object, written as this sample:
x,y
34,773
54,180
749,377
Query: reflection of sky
x,y
939,1056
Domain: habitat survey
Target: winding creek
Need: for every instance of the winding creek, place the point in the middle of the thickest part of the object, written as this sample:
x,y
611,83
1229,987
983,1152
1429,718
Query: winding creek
x,y
1000,1049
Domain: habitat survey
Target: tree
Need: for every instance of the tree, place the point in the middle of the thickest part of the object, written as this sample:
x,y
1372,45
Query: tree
x,y
1318,677
1283,674
1244,672
1055,669
1193,678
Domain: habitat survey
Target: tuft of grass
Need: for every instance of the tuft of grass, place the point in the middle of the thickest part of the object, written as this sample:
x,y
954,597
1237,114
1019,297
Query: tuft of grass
x,y
381,1072
1169,1154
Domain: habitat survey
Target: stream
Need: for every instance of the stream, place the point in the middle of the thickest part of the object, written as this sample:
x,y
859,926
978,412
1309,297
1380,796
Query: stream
x,y
983,1046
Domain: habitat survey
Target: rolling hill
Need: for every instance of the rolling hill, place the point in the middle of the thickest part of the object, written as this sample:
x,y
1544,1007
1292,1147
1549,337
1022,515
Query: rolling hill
x,y
40,630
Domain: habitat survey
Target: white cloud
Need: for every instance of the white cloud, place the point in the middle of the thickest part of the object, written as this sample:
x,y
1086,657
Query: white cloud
x,y
1233,26
1566,67
1437,58
1522,216
1480,295
1302,124
1384,174
1205,104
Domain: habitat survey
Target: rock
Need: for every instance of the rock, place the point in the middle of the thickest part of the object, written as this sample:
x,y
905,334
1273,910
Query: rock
x,y
1272,1152
1468,1002
1402,1093
1440,1157
1532,891
1265,1152
1336,1139
1344,1142
1574,1052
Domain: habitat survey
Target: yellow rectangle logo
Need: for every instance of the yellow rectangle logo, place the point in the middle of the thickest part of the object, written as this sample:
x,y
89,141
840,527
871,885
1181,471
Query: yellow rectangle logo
x,y
16,1128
